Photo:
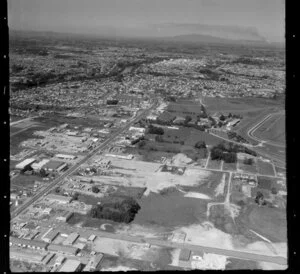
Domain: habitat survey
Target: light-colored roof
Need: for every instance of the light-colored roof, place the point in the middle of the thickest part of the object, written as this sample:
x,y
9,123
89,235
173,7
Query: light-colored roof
x,y
40,164
25,163
70,266
62,248
21,241
59,198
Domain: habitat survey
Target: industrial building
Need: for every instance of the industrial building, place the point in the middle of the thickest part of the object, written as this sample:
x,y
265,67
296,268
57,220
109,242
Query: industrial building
x,y
71,238
49,238
25,163
28,243
26,256
59,198
127,157
69,250
39,165
71,266
65,156
184,255
48,258
65,216
55,166
92,238
93,263
96,260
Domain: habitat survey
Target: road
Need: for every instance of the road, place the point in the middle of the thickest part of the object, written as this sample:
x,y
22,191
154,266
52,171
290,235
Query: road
x,y
164,243
267,150
19,121
60,179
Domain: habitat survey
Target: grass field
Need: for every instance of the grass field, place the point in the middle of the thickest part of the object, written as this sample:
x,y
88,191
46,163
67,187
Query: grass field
x,y
214,164
22,136
134,192
170,210
267,183
237,264
280,170
229,166
265,168
25,180
246,104
190,136
247,168
269,222
87,221
55,119
272,129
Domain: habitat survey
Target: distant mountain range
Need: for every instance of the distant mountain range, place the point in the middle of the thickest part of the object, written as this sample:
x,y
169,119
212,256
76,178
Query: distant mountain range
x,y
193,38
208,39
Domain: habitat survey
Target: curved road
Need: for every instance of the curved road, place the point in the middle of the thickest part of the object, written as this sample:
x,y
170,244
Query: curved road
x,y
251,131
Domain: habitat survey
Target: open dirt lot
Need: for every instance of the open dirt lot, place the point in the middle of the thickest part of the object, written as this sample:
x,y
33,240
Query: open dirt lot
x,y
145,174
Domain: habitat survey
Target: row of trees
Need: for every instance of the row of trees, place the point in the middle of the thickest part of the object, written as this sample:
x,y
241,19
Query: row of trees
x,y
119,212
155,130
161,139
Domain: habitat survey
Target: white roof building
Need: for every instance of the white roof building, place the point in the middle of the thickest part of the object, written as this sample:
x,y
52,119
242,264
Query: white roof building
x,y
39,165
25,163
70,266
65,156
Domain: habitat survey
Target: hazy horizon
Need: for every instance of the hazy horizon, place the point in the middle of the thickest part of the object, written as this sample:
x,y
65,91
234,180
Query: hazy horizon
x,y
233,19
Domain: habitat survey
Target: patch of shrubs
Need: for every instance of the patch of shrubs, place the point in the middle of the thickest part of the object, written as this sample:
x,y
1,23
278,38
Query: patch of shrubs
x,y
123,212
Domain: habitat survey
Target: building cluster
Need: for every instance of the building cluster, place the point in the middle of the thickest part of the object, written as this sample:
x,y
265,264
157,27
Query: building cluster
x,y
54,250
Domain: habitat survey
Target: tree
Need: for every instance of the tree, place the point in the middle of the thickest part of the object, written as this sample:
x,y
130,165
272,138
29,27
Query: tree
x,y
43,173
155,130
57,189
187,119
95,189
200,144
141,144
75,196
222,117
248,161
274,190
259,199
159,138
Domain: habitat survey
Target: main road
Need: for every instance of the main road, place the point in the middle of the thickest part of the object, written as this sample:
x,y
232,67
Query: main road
x,y
235,253
59,179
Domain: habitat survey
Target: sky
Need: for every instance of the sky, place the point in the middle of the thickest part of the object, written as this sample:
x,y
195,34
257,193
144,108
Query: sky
x,y
147,17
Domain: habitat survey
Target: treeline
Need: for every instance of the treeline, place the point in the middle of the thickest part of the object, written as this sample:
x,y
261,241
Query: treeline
x,y
236,137
227,152
123,212
34,107
247,61
155,130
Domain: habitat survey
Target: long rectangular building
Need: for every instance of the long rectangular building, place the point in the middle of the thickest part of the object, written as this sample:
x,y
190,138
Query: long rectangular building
x,y
72,238
28,243
59,198
70,250
25,163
